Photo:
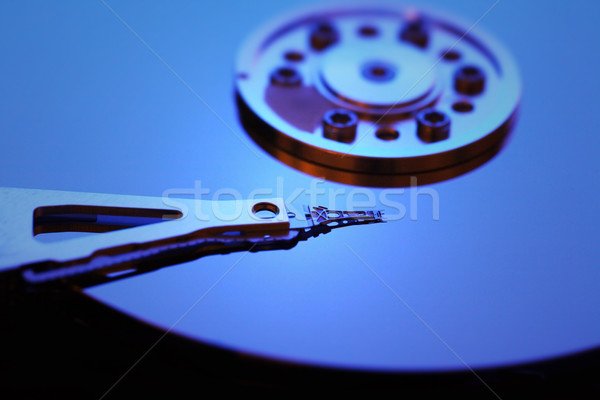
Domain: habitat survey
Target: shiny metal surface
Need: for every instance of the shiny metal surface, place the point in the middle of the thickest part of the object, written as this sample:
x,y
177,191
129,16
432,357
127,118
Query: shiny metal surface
x,y
387,64
180,230
142,234
508,273
348,74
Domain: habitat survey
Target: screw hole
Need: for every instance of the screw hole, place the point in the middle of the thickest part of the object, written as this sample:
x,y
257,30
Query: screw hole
x,y
340,118
471,71
340,125
387,133
434,117
416,32
325,27
293,55
286,76
368,31
323,35
287,72
415,26
469,80
451,55
462,107
433,126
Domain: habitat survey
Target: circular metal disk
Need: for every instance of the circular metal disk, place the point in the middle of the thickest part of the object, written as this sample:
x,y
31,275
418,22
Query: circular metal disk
x,y
384,77
409,93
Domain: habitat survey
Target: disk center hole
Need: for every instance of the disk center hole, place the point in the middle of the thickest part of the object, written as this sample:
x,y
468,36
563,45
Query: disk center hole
x,y
378,71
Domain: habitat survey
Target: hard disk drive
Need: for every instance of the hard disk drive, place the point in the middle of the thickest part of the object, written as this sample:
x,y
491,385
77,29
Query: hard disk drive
x,y
346,197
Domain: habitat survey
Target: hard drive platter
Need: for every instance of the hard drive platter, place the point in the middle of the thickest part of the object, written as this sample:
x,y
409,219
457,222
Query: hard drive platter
x,y
482,281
